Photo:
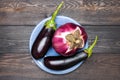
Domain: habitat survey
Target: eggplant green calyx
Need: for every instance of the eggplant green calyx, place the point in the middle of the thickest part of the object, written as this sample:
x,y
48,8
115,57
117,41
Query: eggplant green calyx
x,y
89,50
51,23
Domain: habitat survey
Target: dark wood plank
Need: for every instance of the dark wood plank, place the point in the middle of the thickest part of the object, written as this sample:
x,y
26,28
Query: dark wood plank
x,y
87,12
16,38
21,66
99,17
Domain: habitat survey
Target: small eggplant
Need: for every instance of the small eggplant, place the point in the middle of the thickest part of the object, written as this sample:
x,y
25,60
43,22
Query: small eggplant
x,y
62,63
43,40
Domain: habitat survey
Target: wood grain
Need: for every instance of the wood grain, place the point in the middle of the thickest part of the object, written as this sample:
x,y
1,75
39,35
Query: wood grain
x,y
16,38
87,12
22,67
18,18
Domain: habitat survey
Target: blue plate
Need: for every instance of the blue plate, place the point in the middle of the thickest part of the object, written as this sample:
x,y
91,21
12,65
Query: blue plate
x,y
60,20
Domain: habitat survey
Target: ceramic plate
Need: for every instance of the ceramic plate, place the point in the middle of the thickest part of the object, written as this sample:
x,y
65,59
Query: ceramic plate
x,y
60,20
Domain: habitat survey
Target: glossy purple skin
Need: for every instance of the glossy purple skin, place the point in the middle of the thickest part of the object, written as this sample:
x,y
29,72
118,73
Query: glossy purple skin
x,y
59,42
62,63
42,43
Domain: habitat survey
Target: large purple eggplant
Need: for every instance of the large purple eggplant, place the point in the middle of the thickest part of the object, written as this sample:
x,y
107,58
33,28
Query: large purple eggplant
x,y
43,40
62,63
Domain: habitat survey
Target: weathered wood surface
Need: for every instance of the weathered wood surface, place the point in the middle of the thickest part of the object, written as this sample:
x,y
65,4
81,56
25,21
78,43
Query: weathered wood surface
x,y
21,67
99,17
88,12
16,38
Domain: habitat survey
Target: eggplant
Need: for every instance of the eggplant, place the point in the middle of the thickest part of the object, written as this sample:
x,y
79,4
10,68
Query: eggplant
x,y
68,38
62,63
43,40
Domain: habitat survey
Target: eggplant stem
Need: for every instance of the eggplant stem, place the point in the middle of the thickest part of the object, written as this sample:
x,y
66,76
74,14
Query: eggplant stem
x,y
51,23
56,11
89,50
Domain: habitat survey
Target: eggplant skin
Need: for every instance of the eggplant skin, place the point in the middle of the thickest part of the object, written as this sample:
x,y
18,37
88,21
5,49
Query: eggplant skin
x,y
62,63
42,43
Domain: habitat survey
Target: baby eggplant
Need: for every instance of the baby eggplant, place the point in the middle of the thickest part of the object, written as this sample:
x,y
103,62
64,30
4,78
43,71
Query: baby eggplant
x,y
62,63
43,40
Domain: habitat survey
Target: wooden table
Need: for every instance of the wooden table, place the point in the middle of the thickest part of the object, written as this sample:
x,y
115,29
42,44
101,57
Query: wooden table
x,y
99,17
